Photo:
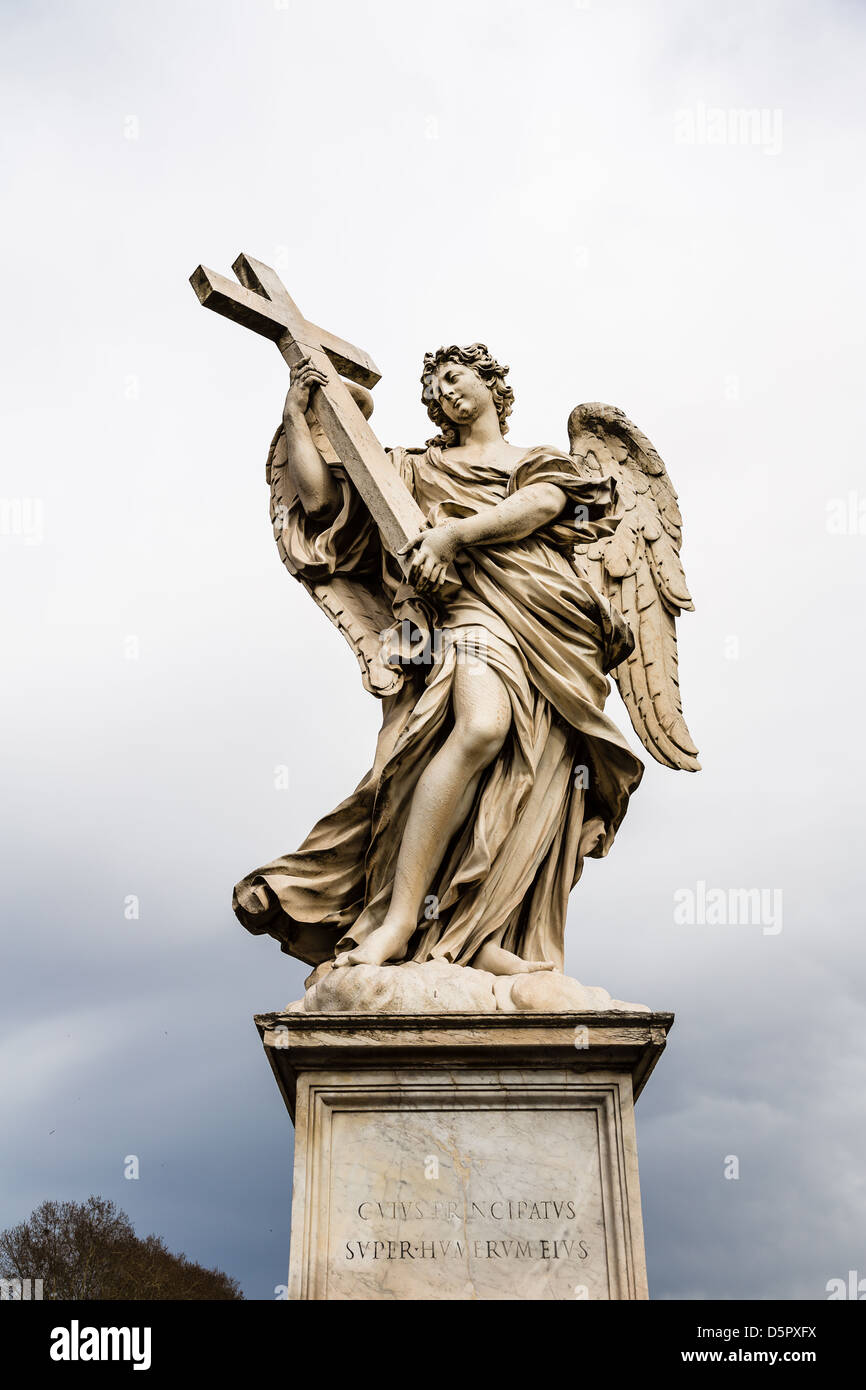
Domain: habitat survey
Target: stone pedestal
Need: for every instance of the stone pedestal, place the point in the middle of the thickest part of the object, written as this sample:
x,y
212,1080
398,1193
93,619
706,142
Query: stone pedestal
x,y
465,1156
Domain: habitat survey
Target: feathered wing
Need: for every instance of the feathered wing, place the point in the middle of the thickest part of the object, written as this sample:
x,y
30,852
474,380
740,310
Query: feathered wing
x,y
638,568
355,605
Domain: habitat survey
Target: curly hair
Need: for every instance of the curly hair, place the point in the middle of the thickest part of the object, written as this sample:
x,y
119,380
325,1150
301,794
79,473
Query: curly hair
x,y
491,372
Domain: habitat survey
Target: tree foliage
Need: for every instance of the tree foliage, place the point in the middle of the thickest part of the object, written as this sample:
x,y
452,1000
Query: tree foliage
x,y
89,1250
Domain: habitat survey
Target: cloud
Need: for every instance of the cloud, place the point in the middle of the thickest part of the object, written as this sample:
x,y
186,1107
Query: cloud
x,y
418,179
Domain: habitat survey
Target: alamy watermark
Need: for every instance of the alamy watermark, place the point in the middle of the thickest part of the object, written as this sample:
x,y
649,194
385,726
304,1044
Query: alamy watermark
x,y
757,126
729,907
853,1288
406,644
20,1290
22,519
846,516
77,1343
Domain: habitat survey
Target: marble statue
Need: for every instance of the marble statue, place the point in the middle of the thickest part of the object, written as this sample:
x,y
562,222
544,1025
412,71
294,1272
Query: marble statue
x,y
487,590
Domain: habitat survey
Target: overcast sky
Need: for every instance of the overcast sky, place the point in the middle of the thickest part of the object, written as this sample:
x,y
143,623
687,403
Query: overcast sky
x,y
570,183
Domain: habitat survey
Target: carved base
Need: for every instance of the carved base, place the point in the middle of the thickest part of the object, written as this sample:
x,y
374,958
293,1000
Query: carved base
x,y
465,1156
435,987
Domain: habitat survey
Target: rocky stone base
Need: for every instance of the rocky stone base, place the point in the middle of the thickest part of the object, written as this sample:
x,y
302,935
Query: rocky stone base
x,y
435,987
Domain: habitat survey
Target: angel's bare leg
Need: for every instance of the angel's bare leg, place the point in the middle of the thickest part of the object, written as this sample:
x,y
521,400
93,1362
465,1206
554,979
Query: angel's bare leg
x,y
441,802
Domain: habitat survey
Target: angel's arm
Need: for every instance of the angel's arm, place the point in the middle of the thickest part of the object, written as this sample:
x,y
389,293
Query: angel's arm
x,y
317,491
512,519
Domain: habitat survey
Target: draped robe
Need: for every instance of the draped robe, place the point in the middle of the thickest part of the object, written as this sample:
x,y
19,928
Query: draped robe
x,y
558,789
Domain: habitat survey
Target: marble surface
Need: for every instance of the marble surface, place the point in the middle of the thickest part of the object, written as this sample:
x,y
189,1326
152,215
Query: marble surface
x,y
436,987
488,1157
491,1196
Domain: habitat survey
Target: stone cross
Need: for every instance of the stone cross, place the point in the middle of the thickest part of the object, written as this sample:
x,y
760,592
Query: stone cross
x,y
261,302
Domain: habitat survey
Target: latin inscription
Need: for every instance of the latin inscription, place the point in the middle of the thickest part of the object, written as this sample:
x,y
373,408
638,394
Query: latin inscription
x,y
511,1209
420,1205
459,1249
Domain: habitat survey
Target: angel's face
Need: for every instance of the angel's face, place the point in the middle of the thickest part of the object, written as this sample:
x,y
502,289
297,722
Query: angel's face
x,y
461,393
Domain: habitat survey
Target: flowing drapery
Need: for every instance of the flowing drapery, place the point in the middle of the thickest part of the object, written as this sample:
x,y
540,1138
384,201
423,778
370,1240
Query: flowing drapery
x,y
559,787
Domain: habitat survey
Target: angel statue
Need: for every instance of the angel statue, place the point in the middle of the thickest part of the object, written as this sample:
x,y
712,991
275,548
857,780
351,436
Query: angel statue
x,y
496,770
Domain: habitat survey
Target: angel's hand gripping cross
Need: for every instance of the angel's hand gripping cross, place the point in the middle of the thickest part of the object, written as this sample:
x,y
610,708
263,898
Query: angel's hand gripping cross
x,y
260,301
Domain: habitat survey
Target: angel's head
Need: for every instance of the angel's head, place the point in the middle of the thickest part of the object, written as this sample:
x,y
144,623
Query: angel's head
x,y
458,383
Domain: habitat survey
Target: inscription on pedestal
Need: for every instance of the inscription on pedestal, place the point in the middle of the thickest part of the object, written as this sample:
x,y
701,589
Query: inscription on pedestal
x,y
436,1190
481,1158
479,1203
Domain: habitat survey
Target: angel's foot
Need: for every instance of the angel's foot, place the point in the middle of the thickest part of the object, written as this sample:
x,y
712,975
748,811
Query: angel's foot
x,y
500,962
387,942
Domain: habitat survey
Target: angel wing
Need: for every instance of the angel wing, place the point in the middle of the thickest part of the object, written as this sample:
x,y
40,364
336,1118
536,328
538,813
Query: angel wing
x,y
638,568
356,607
